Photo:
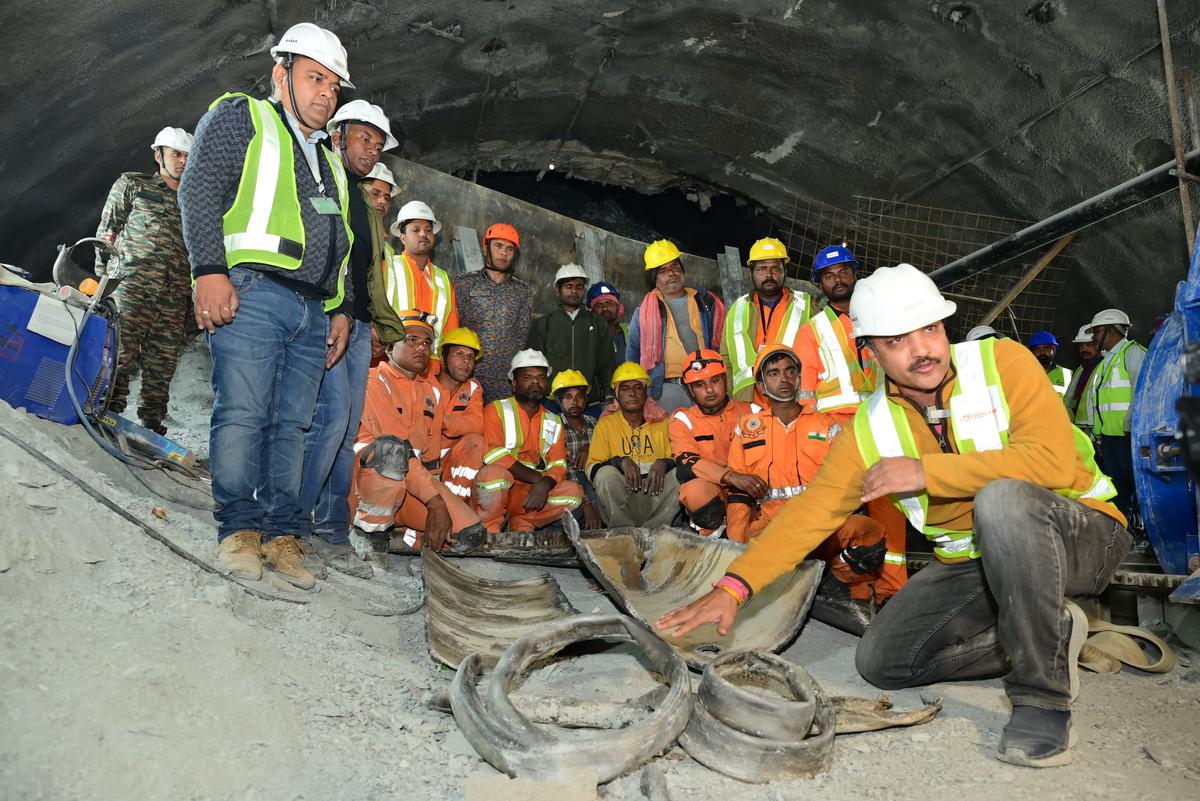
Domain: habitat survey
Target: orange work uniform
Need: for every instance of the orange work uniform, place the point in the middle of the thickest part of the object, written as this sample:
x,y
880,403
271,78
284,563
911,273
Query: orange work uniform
x,y
700,443
408,409
538,442
463,444
787,458
427,288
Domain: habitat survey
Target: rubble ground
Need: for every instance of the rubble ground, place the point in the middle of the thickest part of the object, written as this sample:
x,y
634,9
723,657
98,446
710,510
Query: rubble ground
x,y
128,672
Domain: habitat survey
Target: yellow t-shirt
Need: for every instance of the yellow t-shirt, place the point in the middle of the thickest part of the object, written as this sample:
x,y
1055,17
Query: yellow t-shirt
x,y
614,437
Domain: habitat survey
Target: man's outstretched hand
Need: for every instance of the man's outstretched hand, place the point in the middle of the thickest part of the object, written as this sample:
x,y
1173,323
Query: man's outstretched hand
x,y
716,607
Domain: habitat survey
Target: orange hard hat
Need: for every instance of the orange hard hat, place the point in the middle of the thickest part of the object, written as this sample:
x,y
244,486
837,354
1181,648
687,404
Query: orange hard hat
x,y
502,231
702,364
770,351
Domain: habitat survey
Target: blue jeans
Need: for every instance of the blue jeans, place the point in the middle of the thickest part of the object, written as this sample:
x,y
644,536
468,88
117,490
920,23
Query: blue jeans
x,y
267,368
329,444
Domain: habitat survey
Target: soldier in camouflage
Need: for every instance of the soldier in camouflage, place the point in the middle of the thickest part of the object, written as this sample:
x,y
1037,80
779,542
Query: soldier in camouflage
x,y
141,218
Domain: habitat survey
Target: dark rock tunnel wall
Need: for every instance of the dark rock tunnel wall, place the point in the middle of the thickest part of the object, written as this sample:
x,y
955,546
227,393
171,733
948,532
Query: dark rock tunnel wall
x,y
1011,108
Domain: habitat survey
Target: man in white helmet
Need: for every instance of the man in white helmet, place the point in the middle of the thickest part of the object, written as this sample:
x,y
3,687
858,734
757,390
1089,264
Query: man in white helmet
x,y
973,444
360,132
267,222
1112,397
141,217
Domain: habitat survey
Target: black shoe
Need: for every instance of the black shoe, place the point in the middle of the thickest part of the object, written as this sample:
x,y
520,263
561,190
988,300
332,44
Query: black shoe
x,y
1037,738
342,557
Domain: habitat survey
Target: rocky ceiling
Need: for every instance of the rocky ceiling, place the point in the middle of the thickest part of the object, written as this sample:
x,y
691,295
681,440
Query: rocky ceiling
x,y
1012,107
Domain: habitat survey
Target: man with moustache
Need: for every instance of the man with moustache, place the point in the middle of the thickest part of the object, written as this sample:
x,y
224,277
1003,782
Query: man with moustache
x,y
463,445
770,315
266,218
1044,346
1077,397
605,302
360,133
975,447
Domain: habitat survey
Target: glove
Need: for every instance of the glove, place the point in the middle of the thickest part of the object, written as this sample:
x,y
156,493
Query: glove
x,y
865,558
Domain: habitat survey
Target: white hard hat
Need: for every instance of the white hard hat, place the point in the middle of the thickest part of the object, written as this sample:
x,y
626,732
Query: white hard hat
x,y
414,210
1084,335
1108,317
527,358
173,137
322,46
369,113
896,300
569,271
981,332
382,173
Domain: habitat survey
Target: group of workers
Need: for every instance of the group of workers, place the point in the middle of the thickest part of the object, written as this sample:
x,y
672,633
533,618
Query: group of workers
x,y
356,385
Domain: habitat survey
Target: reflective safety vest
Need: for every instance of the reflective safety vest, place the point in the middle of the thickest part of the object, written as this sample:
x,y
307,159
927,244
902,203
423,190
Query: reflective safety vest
x,y
399,276
1113,392
264,224
1085,414
842,382
1060,377
514,436
979,416
742,330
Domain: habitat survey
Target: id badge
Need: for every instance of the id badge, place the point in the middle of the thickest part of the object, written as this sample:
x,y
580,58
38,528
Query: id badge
x,y
325,205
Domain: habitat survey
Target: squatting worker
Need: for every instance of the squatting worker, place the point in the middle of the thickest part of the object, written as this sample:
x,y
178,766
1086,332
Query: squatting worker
x,y
266,219
1014,505
141,218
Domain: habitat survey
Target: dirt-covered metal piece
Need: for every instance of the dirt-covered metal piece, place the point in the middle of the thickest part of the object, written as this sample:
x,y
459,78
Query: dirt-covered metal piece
x,y
650,572
872,714
510,742
469,614
726,735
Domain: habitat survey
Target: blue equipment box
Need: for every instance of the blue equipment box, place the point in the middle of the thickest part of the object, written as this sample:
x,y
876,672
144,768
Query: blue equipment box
x,y
33,367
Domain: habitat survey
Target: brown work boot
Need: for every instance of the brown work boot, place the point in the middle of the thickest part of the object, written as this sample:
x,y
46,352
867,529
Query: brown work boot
x,y
285,558
241,554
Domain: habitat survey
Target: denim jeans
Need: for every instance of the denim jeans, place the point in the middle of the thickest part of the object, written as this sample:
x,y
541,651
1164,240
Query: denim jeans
x,y
1001,614
267,368
329,443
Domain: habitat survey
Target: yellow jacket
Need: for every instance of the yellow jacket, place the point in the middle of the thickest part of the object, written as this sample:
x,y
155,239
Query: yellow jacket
x,y
1040,450
614,438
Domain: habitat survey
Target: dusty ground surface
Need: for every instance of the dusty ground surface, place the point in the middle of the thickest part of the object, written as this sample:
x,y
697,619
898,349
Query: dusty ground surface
x,y
126,672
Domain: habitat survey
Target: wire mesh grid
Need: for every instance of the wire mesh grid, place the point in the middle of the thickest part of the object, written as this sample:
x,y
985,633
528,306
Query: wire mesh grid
x,y
887,232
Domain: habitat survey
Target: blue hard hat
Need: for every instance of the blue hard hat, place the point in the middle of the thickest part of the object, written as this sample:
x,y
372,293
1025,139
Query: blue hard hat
x,y
601,288
1042,338
834,254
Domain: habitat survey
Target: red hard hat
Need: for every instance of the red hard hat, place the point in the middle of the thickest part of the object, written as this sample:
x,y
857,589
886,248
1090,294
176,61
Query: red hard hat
x,y
502,231
702,364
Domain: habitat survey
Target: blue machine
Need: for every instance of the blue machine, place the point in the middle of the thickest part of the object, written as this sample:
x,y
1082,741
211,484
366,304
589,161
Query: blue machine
x,y
1165,491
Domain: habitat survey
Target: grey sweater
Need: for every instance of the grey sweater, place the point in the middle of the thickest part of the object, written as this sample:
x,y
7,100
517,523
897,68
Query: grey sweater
x,y
210,184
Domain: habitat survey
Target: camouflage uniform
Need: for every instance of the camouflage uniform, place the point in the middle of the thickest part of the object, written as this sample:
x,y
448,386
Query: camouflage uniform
x,y
143,213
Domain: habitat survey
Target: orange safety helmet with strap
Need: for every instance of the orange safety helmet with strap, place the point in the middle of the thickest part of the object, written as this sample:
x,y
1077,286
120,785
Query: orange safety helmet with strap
x,y
702,364
502,231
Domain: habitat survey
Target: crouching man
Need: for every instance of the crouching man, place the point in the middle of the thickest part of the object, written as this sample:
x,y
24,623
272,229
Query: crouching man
x,y
974,445
629,460
399,441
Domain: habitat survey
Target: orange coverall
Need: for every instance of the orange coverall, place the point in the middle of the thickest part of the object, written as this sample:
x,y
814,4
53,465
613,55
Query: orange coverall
x,y
700,443
463,445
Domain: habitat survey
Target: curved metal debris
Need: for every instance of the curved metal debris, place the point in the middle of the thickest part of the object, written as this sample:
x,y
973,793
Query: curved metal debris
x,y
872,714
715,738
649,572
513,744
469,614
761,694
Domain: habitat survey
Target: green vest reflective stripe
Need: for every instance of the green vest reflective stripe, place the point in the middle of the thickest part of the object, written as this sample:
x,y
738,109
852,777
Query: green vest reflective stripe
x,y
514,436
741,327
264,225
979,422
1113,393
842,383
1060,377
1085,413
402,295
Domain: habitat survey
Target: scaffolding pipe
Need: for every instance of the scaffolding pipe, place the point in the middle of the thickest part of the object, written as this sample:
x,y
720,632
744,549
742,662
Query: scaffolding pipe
x,y
1136,190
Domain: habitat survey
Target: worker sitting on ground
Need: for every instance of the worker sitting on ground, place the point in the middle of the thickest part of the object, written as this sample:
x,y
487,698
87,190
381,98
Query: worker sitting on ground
x,y
572,338
605,302
526,475
1045,347
463,445
770,315
570,391
630,460
399,439
975,447
700,437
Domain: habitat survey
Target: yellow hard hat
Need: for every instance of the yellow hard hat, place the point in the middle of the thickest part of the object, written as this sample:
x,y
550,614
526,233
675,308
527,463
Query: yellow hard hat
x,y
465,337
567,379
768,248
630,371
659,253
